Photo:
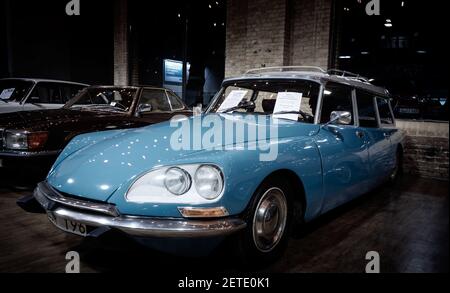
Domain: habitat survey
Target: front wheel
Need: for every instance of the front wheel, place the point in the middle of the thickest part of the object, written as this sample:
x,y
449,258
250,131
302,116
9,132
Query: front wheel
x,y
268,224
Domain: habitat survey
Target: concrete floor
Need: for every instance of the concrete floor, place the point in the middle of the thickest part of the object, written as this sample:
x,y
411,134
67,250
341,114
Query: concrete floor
x,y
408,225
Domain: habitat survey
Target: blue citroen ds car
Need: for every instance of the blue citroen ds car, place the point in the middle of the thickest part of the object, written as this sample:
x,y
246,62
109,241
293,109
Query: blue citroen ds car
x,y
277,147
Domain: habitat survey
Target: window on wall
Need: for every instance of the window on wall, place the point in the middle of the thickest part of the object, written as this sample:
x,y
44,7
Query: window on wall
x,y
399,50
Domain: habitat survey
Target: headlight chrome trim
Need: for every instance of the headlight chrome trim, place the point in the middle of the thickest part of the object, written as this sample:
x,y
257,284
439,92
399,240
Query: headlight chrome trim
x,y
191,197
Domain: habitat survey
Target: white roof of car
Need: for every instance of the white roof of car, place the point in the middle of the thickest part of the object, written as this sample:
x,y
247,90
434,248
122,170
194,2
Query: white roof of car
x,y
36,80
311,73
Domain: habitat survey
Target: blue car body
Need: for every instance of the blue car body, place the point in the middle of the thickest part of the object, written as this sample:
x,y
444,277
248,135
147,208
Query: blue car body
x,y
330,162
102,166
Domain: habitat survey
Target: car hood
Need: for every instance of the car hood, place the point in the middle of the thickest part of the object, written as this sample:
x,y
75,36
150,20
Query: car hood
x,y
42,120
99,168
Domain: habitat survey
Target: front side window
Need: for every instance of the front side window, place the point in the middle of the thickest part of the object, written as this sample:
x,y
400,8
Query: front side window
x,y
103,99
336,97
14,90
297,97
157,99
385,111
366,109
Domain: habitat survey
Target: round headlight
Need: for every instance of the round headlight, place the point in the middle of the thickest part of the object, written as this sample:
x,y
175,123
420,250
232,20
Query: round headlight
x,y
177,181
208,182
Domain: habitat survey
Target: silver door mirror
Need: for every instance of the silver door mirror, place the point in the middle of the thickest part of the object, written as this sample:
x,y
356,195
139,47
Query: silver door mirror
x,y
197,110
144,108
340,117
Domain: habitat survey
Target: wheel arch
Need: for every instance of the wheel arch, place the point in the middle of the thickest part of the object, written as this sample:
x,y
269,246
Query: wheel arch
x,y
298,189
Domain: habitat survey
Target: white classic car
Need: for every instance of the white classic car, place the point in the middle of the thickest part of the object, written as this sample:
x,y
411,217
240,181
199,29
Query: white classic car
x,y
23,94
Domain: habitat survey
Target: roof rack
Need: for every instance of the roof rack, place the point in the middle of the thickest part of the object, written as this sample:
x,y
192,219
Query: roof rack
x,y
348,74
284,69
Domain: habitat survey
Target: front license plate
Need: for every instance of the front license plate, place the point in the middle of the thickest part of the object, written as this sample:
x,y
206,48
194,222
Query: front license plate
x,y
68,225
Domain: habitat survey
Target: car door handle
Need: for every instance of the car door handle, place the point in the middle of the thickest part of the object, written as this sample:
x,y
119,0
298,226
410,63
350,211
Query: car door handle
x,y
360,134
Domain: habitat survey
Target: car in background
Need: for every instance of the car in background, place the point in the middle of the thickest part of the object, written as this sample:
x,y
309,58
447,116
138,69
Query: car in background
x,y
407,108
432,106
24,94
30,141
336,139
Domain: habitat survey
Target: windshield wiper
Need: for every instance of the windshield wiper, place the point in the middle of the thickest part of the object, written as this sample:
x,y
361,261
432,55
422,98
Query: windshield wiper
x,y
100,107
246,106
306,116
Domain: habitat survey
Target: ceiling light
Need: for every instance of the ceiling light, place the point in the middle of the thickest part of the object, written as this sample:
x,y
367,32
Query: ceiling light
x,y
345,57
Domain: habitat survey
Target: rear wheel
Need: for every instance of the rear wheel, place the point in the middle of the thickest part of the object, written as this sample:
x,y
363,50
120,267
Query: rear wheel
x,y
268,224
397,167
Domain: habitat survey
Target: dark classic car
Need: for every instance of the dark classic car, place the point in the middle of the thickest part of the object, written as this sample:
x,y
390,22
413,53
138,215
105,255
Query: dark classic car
x,y
31,140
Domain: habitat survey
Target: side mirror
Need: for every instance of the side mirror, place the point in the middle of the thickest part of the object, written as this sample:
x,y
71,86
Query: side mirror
x,y
143,108
197,110
340,117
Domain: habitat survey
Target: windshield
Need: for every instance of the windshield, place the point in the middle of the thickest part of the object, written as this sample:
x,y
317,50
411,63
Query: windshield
x,y
103,99
294,100
14,90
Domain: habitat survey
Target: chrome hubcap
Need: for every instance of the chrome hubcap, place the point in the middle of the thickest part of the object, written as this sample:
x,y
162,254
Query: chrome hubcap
x,y
270,219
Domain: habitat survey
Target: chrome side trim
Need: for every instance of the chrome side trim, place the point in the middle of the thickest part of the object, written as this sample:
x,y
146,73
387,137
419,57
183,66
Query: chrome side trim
x,y
45,190
135,226
7,153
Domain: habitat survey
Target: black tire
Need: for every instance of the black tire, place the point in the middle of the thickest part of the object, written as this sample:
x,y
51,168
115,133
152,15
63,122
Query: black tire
x,y
250,247
398,169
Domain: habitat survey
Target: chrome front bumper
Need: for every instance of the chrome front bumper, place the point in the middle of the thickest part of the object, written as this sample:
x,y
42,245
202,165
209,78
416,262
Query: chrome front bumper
x,y
104,215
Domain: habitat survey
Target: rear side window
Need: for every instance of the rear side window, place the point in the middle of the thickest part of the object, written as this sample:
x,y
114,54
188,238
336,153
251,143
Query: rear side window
x,y
336,97
46,93
366,109
175,101
385,111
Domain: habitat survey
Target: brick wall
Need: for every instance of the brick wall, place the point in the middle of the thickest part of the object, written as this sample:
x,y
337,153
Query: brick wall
x,y
120,42
310,35
426,148
263,33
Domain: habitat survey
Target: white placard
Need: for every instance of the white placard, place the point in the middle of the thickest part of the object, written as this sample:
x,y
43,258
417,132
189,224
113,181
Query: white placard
x,y
232,100
288,101
7,93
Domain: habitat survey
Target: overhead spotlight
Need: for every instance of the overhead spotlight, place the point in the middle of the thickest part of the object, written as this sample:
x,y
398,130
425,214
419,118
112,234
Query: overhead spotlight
x,y
345,57
421,52
364,53
388,23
